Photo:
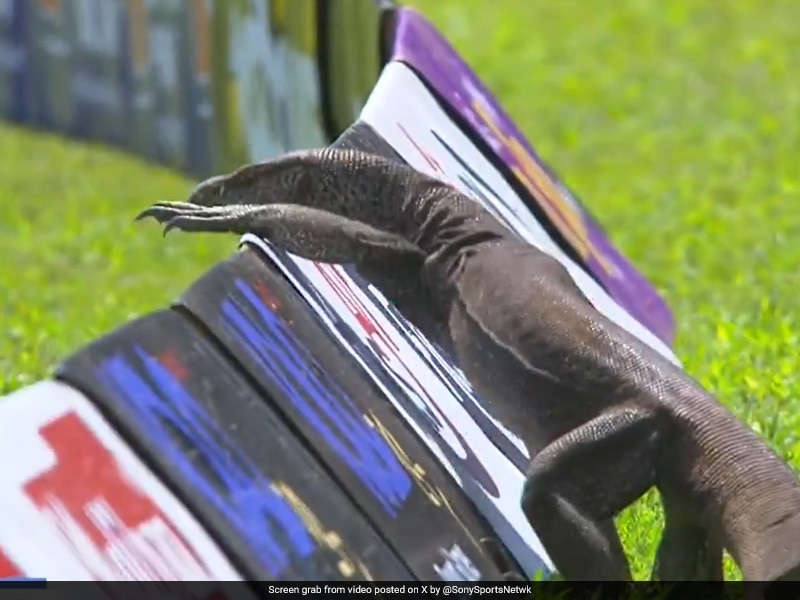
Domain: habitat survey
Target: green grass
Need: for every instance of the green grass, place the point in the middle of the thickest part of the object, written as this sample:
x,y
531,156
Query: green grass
x,y
676,123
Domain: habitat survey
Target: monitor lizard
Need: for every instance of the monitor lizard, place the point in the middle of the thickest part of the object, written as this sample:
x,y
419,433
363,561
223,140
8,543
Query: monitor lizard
x,y
604,416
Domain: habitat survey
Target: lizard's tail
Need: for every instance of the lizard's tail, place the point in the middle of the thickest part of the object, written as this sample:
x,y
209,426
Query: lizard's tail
x,y
747,496
773,552
762,509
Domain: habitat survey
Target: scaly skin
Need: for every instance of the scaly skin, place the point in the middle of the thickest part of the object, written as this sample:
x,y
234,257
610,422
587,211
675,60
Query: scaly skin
x,y
604,416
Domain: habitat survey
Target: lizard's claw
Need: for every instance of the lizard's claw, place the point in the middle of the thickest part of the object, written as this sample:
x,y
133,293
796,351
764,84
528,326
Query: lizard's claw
x,y
203,222
188,216
164,211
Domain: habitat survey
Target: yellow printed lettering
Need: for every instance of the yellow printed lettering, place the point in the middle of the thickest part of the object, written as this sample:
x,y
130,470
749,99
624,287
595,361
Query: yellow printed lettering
x,y
431,491
330,539
541,186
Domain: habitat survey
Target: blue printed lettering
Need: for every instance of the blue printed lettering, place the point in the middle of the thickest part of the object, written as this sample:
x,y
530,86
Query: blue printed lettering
x,y
261,516
320,400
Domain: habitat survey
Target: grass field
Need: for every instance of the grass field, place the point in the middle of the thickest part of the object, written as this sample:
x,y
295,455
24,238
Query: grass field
x,y
677,124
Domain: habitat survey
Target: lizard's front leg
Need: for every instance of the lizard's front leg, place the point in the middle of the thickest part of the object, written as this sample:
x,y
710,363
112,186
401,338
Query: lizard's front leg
x,y
578,483
307,232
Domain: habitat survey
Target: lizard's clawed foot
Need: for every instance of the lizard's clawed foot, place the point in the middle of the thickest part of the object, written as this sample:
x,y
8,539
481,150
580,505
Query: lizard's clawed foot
x,y
187,216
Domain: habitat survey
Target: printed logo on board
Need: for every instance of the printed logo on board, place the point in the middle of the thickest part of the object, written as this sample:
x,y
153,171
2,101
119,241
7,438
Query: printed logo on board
x,y
80,506
556,201
471,182
206,456
114,528
316,395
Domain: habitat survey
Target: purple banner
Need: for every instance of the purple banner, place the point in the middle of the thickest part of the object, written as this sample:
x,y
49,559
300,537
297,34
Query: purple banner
x,y
418,44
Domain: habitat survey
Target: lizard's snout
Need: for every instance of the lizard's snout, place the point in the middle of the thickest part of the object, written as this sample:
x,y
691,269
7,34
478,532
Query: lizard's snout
x,y
208,190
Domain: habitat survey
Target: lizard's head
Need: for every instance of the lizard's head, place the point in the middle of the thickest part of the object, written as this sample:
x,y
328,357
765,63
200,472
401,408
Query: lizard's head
x,y
294,178
286,180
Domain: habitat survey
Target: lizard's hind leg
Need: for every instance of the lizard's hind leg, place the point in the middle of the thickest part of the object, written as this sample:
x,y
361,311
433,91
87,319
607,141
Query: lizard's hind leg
x,y
577,484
